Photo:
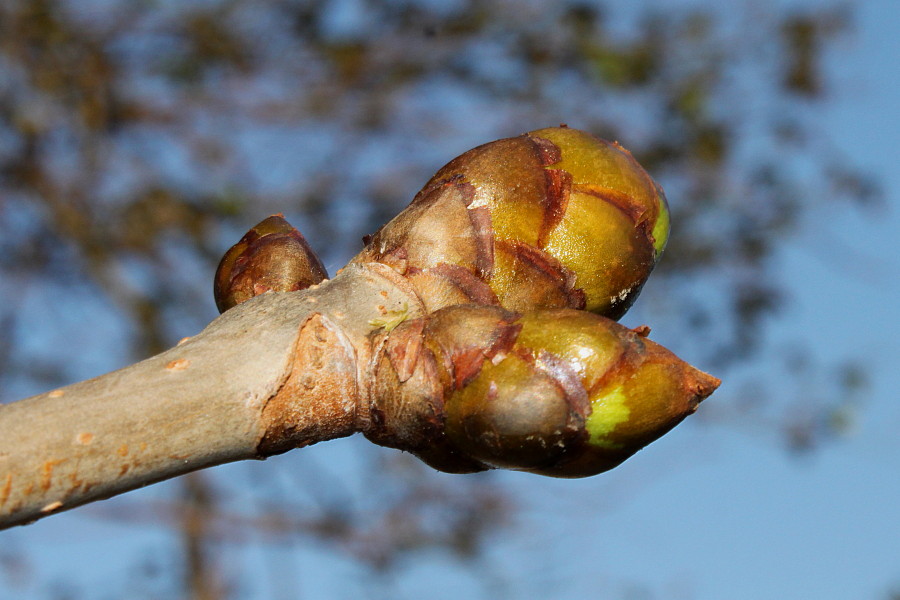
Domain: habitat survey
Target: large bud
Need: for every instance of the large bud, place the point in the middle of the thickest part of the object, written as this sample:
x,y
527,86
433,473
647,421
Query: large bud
x,y
271,257
550,219
560,392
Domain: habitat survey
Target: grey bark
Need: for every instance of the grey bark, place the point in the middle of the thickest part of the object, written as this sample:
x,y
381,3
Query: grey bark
x,y
207,401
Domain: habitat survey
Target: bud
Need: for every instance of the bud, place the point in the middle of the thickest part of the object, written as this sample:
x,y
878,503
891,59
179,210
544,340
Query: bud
x,y
551,219
561,392
273,256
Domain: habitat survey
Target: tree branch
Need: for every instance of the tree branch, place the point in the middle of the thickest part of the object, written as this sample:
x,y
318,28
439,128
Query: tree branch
x,y
454,335
240,389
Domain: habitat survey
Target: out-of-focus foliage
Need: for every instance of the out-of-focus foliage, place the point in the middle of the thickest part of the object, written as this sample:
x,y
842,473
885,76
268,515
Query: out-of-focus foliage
x,y
138,140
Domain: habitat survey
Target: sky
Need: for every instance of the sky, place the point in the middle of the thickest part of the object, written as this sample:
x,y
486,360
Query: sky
x,y
706,513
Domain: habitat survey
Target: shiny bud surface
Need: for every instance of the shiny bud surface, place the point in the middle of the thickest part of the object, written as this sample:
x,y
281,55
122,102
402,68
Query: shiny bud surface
x,y
555,218
558,392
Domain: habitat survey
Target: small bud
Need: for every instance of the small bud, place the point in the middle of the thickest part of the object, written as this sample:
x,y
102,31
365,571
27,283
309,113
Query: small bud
x,y
271,257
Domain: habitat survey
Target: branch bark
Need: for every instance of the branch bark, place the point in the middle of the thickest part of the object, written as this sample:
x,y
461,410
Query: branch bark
x,y
276,372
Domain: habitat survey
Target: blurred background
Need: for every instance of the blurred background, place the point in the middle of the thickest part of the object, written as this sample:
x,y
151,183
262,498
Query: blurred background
x,y
140,139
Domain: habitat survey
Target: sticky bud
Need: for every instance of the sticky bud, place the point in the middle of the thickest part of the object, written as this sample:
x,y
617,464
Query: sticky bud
x,y
551,219
272,256
563,393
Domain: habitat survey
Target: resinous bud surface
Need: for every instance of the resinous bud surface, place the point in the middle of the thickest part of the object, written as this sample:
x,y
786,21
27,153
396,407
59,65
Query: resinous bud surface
x,y
554,218
561,392
597,393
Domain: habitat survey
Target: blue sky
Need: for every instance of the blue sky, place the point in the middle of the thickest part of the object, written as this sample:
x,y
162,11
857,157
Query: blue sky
x,y
708,512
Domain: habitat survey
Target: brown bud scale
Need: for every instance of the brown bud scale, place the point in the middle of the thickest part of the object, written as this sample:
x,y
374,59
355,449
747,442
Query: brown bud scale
x,y
271,257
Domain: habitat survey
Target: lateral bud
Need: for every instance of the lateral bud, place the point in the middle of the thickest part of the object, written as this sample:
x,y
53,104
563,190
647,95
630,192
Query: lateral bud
x,y
272,257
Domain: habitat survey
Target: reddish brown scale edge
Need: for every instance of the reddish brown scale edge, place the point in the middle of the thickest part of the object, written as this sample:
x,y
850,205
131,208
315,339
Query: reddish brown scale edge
x,y
558,186
468,283
549,266
480,217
